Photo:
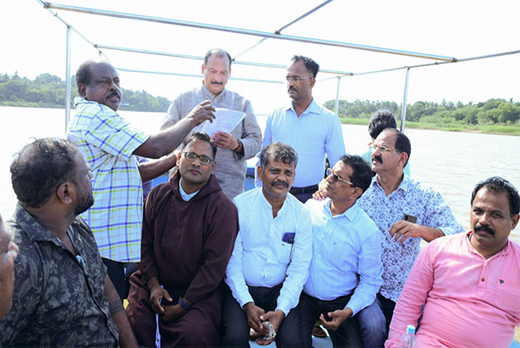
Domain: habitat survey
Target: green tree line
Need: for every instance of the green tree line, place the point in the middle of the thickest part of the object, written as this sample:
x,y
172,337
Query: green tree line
x,y
491,112
48,91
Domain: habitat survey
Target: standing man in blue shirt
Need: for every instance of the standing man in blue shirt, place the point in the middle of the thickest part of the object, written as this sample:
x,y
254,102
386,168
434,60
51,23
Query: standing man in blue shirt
x,y
271,257
309,128
345,272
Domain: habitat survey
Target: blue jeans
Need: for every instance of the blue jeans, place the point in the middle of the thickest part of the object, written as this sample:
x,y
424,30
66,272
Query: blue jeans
x,y
371,330
372,325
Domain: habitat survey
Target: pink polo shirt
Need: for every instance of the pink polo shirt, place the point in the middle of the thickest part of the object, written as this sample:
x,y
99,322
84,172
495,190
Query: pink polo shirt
x,y
469,301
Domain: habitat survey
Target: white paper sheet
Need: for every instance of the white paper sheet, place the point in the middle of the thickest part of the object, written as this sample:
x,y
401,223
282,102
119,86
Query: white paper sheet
x,y
225,120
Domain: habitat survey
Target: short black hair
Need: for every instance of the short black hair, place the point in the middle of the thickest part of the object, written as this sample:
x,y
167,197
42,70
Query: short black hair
x,y
201,136
496,185
40,167
379,121
217,52
402,143
310,64
361,173
84,72
278,152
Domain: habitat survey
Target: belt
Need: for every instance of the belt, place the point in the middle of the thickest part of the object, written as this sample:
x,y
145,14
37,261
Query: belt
x,y
306,189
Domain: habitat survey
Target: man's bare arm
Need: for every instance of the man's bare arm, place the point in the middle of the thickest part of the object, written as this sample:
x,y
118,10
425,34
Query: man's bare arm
x,y
126,336
167,140
154,168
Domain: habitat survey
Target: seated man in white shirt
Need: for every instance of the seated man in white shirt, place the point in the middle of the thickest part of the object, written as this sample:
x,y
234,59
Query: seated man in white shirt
x,y
270,261
345,272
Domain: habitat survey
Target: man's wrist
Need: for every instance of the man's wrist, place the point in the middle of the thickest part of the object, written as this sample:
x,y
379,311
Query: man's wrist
x,y
239,145
184,304
280,312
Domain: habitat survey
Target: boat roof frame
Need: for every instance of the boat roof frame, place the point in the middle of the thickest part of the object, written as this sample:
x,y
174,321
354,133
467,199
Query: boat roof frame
x,y
277,35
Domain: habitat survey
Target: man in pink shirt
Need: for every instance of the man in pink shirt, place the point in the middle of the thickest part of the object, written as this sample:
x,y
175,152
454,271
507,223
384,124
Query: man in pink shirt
x,y
469,283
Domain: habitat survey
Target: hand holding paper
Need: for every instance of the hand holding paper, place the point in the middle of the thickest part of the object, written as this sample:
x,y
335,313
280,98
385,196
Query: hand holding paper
x,y
225,140
225,121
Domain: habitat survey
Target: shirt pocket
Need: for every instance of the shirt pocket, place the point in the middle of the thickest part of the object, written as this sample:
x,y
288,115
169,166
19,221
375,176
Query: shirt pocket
x,y
507,299
283,252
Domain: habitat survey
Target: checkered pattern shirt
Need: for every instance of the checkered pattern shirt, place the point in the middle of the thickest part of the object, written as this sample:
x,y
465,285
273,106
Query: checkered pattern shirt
x,y
107,142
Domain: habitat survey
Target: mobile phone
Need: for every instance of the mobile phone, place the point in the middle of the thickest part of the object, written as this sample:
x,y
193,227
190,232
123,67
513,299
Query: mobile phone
x,y
409,218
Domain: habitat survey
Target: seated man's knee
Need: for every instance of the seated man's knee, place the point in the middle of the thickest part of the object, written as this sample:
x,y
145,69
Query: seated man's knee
x,y
372,325
237,336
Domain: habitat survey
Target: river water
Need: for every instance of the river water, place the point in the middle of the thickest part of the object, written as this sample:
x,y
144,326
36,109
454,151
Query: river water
x,y
450,162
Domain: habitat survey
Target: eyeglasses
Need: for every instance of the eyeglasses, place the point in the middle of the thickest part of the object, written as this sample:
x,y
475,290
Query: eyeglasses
x,y
382,148
297,78
335,177
190,156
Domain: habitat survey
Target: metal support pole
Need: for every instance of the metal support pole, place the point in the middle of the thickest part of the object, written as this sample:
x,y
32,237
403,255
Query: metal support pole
x,y
405,101
67,81
337,95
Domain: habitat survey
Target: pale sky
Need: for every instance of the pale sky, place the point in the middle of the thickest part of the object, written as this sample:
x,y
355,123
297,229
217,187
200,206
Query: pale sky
x,y
33,42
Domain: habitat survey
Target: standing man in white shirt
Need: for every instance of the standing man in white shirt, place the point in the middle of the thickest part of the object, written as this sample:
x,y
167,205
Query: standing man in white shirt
x,y
270,261
345,272
309,128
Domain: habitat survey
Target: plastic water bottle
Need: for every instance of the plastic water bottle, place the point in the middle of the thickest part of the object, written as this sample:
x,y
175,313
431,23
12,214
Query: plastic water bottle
x,y
407,340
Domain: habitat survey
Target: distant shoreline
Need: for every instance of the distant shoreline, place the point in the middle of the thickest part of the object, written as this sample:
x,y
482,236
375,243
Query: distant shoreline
x,y
452,127
486,129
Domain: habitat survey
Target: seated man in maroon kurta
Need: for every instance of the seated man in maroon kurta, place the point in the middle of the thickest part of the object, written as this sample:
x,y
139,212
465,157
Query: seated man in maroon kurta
x,y
189,230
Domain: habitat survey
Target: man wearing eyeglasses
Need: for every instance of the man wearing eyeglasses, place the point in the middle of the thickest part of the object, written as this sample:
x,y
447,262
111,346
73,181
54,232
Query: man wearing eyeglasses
x,y
379,121
309,128
345,271
189,230
241,143
405,211
62,294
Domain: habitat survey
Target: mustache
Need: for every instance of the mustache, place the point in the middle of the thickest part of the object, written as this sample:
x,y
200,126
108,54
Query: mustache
x,y
114,93
194,169
216,83
479,227
278,182
292,88
379,159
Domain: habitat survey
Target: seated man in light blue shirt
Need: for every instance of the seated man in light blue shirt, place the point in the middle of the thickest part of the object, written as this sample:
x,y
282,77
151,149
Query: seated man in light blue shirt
x,y
271,257
345,272
309,128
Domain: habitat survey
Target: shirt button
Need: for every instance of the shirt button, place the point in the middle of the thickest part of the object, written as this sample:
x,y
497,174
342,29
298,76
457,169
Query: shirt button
x,y
482,279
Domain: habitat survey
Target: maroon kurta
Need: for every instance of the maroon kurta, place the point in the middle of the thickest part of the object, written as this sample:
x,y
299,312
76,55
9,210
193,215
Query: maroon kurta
x,y
187,246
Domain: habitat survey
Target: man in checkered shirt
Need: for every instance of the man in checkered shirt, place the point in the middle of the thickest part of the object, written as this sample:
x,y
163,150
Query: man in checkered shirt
x,y
109,144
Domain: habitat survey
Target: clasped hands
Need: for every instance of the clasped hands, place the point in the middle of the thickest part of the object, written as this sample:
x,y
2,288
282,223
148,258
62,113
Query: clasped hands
x,y
255,317
168,313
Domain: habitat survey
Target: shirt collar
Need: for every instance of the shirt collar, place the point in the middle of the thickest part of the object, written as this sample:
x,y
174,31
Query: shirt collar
x,y
403,186
185,196
79,100
350,213
312,108
35,230
471,248
208,94
268,205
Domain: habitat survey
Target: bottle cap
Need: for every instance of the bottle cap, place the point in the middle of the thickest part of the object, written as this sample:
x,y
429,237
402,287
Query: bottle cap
x,y
410,329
